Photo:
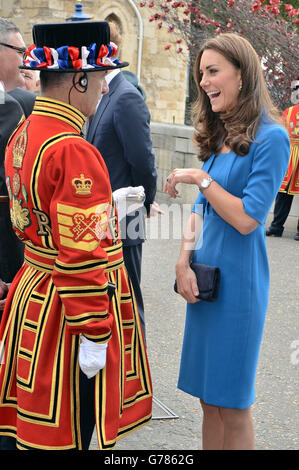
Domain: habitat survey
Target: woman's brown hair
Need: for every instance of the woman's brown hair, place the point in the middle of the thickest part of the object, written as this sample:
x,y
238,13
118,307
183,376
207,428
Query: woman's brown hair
x,y
236,128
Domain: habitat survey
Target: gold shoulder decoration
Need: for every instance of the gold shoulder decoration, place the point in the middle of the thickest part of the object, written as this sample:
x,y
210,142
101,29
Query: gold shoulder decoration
x,y
19,148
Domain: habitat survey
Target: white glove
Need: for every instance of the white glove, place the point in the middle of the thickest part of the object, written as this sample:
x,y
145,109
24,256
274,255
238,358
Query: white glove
x,y
125,200
122,193
92,356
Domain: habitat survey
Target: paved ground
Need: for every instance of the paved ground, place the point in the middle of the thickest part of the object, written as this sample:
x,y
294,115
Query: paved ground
x,y
276,410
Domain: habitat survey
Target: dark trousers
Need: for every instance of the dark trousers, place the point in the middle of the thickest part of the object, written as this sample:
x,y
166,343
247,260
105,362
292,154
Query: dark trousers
x,y
282,207
7,443
133,259
87,409
11,248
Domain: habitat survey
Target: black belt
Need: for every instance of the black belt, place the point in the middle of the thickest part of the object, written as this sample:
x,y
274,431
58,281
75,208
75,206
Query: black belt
x,y
4,199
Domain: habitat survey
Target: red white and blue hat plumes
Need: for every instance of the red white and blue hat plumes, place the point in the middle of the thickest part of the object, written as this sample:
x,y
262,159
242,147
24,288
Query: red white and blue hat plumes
x,y
84,58
72,47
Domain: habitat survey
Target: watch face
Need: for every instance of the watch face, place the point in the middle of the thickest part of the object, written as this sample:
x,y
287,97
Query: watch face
x,y
205,183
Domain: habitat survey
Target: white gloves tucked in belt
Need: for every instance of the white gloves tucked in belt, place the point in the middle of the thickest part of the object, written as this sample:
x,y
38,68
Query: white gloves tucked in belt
x,y
92,356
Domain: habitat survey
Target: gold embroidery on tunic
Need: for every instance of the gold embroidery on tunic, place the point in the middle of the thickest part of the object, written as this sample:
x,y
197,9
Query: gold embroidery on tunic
x,y
16,184
82,185
19,148
82,228
19,215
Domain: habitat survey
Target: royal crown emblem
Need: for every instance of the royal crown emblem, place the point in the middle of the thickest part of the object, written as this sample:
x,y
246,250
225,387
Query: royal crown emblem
x,y
19,148
82,185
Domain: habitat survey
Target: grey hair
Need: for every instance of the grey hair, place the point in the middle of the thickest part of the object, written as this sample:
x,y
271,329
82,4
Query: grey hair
x,y
50,80
7,27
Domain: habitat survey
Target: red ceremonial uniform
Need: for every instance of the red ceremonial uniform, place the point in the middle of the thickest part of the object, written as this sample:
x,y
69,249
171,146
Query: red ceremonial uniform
x,y
62,208
290,183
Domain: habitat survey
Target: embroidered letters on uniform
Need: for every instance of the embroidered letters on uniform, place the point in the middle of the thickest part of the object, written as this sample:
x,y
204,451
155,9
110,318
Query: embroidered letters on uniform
x,y
44,225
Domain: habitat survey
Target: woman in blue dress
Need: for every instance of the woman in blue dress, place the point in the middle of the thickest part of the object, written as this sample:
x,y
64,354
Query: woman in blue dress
x,y
245,151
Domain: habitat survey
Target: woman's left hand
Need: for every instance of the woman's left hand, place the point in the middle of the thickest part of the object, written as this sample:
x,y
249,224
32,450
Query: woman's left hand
x,y
183,175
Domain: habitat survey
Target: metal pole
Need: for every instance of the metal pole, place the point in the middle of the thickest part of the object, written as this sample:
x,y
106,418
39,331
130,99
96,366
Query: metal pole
x,y
169,413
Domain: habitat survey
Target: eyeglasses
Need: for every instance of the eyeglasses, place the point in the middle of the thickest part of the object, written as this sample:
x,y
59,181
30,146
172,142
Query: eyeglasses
x,y
20,50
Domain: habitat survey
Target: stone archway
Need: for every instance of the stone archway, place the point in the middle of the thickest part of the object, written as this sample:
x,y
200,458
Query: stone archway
x,y
123,15
113,18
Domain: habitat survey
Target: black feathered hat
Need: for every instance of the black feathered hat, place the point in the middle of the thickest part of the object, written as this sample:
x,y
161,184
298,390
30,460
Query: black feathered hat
x,y
72,47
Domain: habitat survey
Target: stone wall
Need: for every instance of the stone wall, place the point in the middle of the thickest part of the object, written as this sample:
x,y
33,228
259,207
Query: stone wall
x,y
174,149
163,74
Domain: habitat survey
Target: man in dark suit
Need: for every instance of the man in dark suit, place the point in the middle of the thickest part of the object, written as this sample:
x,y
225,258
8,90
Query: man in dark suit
x,y
15,102
11,249
120,130
25,99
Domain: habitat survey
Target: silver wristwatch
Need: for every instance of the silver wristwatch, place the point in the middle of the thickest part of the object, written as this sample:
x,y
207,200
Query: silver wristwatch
x,y
205,183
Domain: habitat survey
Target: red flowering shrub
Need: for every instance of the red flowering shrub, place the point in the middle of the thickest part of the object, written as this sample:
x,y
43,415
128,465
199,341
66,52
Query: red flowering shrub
x,y
270,25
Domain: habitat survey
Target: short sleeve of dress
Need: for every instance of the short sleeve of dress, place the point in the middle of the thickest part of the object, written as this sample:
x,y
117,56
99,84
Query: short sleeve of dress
x,y
270,162
199,204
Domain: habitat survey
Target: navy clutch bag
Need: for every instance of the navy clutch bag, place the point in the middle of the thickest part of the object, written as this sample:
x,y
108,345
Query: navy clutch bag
x,y
208,279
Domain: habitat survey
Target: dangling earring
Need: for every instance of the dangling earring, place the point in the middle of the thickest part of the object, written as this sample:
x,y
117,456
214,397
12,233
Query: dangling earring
x,y
240,87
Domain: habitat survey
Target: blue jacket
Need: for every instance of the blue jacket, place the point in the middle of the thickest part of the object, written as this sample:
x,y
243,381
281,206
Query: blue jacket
x,y
120,130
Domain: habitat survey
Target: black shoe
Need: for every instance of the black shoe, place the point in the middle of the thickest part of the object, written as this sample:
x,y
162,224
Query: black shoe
x,y
270,232
296,237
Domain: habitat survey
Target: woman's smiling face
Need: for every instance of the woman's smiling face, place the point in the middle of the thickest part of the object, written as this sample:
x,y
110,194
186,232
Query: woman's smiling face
x,y
220,80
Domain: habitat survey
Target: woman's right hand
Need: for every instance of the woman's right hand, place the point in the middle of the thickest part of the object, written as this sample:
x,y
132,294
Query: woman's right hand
x,y
186,283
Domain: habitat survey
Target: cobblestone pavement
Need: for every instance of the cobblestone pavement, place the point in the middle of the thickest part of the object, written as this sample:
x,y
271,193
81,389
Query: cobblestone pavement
x,y
276,409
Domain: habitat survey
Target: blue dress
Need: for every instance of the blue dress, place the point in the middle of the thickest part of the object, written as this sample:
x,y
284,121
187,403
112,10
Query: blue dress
x,y
222,339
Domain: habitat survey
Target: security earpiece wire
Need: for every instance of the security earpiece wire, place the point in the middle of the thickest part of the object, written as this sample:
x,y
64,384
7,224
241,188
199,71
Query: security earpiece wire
x,y
75,86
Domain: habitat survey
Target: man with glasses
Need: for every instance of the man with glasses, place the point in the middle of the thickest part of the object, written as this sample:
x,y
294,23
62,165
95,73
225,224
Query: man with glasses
x,y
14,103
12,49
12,53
